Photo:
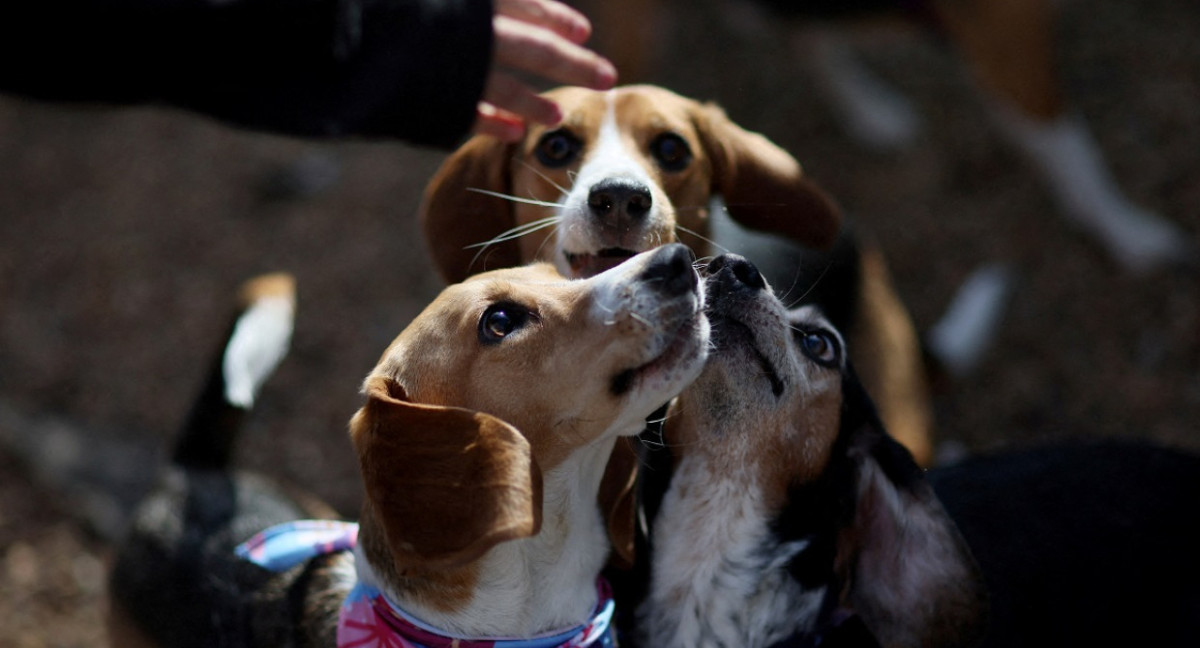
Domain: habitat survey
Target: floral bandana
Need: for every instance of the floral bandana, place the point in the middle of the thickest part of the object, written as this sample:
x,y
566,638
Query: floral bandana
x,y
368,620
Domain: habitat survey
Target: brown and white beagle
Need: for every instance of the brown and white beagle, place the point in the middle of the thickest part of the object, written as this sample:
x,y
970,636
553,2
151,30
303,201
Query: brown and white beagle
x,y
626,170
490,462
792,518
638,167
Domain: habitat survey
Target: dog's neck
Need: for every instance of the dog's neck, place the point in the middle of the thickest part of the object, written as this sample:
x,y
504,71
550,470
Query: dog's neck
x,y
523,587
719,576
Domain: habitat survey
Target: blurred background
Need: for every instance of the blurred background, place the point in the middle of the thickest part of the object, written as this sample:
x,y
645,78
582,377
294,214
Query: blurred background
x,y
125,233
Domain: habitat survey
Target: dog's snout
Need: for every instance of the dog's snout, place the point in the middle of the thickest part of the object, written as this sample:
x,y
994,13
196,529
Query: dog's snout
x,y
670,269
736,270
620,202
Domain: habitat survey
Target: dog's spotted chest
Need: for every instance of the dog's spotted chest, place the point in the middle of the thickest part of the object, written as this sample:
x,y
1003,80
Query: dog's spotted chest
x,y
728,583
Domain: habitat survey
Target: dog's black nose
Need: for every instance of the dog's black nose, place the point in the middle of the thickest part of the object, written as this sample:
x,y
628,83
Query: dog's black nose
x,y
738,269
620,202
670,269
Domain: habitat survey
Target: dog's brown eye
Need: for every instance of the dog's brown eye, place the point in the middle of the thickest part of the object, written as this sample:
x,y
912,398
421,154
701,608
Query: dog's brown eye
x,y
671,151
820,347
558,148
499,321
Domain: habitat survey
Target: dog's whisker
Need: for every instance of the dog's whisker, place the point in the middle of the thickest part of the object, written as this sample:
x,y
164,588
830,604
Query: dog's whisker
x,y
783,296
518,231
812,287
515,233
537,254
711,242
512,198
702,262
538,172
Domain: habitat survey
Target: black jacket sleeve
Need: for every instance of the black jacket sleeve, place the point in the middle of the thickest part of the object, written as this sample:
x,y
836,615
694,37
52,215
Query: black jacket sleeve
x,y
405,69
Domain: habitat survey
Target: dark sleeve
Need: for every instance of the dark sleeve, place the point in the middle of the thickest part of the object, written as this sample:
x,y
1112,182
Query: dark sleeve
x,y
405,69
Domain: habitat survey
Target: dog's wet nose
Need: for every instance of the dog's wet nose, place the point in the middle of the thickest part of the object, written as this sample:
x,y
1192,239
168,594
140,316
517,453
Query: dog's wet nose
x,y
620,202
670,269
740,270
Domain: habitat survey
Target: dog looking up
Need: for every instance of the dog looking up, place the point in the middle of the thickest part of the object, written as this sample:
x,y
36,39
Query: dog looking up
x,y
639,167
792,520
492,485
791,513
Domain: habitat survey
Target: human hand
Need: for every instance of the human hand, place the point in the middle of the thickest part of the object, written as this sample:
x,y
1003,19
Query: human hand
x,y
543,38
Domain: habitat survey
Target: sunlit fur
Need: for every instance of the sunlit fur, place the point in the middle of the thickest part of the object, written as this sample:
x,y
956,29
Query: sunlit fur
x,y
551,380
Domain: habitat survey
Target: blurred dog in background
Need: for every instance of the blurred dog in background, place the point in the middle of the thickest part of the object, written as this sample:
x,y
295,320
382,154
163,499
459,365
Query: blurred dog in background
x,y
1007,45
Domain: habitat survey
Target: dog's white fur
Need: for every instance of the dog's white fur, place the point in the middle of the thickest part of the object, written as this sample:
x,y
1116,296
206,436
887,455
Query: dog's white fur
x,y
610,157
720,584
546,581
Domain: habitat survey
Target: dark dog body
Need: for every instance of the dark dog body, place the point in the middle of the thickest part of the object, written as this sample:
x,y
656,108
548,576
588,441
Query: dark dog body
x,y
1083,544
181,558
176,580
1079,544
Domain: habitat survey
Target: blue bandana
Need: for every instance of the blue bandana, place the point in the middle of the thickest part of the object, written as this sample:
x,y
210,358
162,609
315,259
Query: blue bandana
x,y
368,620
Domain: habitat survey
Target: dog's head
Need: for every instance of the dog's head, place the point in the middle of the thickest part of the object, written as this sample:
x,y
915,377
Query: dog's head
x,y
504,376
778,405
625,171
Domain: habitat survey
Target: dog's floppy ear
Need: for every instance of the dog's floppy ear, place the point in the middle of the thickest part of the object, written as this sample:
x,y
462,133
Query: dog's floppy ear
x,y
454,215
618,500
908,570
445,484
763,186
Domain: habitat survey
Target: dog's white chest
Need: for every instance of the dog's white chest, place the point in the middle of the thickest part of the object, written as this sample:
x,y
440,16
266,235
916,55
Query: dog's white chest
x,y
719,579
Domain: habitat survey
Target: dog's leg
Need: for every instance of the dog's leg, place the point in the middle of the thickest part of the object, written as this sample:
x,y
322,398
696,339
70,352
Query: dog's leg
x,y
1008,45
1070,162
968,327
872,112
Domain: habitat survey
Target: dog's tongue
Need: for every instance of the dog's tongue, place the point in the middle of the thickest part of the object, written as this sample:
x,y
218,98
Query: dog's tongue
x,y
588,265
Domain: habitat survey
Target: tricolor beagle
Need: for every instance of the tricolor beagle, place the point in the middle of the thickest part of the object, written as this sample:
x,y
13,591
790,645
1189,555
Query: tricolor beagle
x,y
493,482
638,167
792,520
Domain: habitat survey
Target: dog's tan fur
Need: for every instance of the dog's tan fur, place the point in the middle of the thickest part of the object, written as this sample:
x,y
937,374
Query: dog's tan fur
x,y
762,185
497,476
457,498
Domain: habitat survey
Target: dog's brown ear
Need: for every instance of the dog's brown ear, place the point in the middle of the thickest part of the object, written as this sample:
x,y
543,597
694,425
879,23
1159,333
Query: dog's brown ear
x,y
456,217
908,570
618,501
763,186
445,484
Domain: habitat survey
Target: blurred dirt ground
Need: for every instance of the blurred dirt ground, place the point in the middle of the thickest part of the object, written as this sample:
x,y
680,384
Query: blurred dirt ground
x,y
123,234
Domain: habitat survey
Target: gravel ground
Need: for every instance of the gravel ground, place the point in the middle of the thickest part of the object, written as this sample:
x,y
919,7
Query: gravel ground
x,y
123,234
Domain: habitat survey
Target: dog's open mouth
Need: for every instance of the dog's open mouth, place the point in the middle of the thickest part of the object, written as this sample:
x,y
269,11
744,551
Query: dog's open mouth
x,y
588,265
728,332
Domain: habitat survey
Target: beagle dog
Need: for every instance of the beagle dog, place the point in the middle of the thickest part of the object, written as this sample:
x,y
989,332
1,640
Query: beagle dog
x,y
489,445
783,515
626,170
791,517
638,167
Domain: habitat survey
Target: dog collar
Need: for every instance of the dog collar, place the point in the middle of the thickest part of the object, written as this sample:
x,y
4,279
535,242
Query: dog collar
x,y
369,620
